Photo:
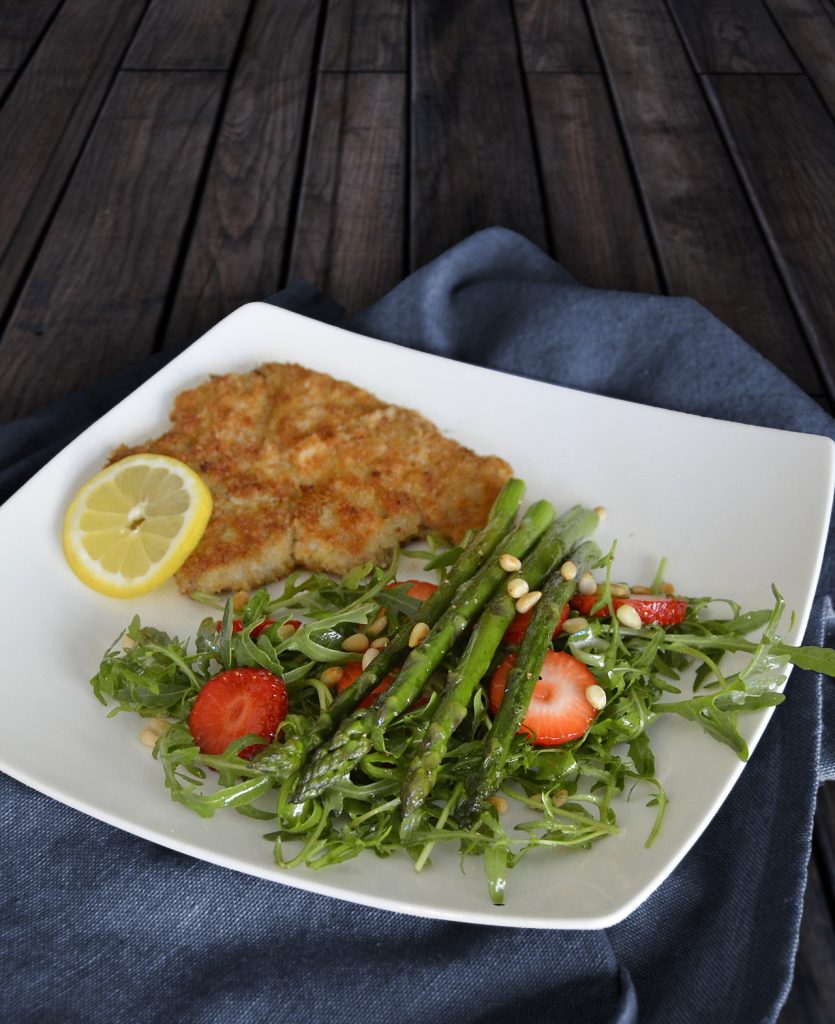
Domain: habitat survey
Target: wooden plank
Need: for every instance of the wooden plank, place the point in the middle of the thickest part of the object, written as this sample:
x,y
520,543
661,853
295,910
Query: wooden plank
x,y
599,234
238,246
810,29
45,120
783,141
366,35
732,36
473,163
812,996
21,24
188,35
555,37
349,239
706,235
99,284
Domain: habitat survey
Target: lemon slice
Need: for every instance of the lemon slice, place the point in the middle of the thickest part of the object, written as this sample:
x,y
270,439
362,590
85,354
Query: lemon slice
x,y
133,525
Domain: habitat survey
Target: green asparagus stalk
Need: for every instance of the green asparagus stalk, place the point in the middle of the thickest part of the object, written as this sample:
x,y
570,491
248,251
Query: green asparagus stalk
x,y
288,757
501,516
484,641
521,682
355,736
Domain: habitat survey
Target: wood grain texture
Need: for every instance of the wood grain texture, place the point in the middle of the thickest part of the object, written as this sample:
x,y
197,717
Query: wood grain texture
x,y
595,219
555,36
473,163
95,254
188,35
94,297
349,239
366,35
21,23
783,141
237,249
705,232
732,36
809,27
46,118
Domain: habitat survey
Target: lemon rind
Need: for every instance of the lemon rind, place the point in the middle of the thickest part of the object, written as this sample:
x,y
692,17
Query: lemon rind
x,y
90,572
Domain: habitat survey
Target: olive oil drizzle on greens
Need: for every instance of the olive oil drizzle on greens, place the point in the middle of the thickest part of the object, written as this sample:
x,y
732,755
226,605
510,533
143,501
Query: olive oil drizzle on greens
x,y
567,794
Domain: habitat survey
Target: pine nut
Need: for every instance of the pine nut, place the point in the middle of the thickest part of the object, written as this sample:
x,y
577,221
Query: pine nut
x,y
286,631
159,726
517,587
240,600
148,737
568,570
420,631
510,563
128,643
369,656
332,675
575,625
600,512
641,590
381,643
668,588
499,803
587,584
596,696
356,643
525,603
378,625
627,616
619,590
559,798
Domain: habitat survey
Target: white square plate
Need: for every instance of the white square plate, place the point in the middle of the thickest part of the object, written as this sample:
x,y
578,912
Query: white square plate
x,y
732,507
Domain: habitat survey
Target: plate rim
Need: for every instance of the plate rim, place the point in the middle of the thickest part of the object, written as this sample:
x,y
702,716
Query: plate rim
x,y
507,919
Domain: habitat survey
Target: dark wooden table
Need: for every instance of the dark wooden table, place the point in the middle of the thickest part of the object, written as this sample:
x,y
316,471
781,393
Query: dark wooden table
x,y
164,161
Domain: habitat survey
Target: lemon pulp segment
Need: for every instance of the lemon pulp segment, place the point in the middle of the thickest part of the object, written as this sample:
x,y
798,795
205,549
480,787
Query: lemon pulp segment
x,y
134,524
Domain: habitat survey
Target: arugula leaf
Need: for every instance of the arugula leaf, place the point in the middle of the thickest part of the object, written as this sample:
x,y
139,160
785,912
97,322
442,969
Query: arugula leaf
x,y
812,659
569,793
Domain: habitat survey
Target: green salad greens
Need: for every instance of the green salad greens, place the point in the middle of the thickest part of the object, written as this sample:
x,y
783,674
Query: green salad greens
x,y
413,753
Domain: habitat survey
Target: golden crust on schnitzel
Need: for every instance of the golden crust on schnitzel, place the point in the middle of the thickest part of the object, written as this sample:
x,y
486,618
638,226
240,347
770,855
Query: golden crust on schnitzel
x,y
307,471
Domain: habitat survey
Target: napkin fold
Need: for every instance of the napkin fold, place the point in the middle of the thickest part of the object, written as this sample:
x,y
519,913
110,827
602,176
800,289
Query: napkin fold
x,y
96,924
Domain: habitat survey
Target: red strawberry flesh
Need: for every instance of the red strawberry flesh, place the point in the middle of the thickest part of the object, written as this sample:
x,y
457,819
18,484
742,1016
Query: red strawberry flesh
x,y
652,610
559,710
350,674
516,630
237,703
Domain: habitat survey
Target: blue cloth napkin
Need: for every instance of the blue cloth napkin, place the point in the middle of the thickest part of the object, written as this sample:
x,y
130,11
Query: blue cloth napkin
x,y
97,925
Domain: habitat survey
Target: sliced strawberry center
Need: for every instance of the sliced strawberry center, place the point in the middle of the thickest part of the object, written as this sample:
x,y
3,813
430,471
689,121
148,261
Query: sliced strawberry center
x,y
559,709
237,703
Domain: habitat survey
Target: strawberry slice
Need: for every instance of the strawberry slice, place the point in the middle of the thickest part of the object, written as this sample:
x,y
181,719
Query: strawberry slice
x,y
516,630
559,710
420,590
235,703
349,676
654,609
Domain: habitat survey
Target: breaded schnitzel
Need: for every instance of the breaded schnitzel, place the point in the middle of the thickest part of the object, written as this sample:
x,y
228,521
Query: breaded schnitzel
x,y
307,471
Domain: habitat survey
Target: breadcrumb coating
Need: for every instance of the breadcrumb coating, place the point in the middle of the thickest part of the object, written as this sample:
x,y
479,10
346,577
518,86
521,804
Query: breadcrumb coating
x,y
311,472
